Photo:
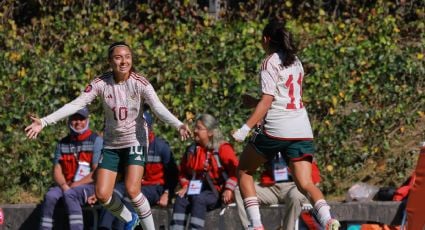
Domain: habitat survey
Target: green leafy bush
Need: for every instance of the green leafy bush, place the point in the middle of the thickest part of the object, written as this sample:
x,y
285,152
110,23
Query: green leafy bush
x,y
363,86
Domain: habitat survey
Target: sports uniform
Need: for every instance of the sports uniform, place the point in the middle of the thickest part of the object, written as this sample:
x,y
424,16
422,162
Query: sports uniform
x,y
286,126
160,175
125,133
123,109
208,167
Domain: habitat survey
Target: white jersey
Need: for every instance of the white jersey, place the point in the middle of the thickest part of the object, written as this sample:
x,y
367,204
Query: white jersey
x,y
287,118
123,109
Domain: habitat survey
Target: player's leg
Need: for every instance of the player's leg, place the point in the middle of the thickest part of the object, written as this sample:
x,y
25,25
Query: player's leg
x,y
302,176
249,161
106,174
133,181
241,209
106,219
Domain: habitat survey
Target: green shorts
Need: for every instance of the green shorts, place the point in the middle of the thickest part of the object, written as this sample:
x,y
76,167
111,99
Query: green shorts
x,y
290,149
117,159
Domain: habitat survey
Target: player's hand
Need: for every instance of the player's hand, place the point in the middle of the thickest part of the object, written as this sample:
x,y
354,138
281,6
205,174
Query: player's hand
x,y
185,132
240,134
227,196
34,129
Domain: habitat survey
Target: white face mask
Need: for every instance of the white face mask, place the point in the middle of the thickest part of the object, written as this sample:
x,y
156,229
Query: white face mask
x,y
79,131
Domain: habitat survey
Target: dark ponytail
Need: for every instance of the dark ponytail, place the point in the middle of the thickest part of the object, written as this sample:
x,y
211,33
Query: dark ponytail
x,y
281,41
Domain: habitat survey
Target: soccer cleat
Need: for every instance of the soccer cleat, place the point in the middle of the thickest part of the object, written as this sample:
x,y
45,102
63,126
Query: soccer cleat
x,y
133,222
333,224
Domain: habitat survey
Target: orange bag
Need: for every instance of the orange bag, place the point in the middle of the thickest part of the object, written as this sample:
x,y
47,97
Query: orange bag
x,y
378,227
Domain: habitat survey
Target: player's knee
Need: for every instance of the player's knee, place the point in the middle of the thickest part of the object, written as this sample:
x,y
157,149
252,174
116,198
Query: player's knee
x,y
133,190
305,187
102,195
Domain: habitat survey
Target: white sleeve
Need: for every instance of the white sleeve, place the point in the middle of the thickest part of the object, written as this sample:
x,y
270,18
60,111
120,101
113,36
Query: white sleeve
x,y
159,109
68,109
268,83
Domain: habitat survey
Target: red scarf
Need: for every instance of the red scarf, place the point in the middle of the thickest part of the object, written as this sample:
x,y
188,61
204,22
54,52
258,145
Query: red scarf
x,y
81,137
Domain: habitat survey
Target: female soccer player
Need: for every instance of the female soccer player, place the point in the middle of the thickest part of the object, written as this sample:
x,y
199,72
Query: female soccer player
x,y
123,93
286,126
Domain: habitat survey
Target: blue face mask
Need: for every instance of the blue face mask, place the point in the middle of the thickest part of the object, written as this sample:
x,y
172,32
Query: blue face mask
x,y
73,131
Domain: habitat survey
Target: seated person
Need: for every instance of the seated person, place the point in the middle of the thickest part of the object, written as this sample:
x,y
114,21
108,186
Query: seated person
x,y
76,157
159,178
277,187
207,175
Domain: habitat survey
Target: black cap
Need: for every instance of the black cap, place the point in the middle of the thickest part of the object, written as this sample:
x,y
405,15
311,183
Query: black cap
x,y
83,112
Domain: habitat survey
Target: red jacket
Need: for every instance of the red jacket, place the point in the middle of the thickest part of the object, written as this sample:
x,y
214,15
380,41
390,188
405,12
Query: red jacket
x,y
160,167
74,148
193,162
267,179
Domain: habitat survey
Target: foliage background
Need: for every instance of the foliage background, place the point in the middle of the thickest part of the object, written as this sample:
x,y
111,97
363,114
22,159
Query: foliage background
x,y
364,85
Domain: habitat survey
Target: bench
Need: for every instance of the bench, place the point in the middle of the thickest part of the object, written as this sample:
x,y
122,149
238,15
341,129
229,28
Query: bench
x,y
27,216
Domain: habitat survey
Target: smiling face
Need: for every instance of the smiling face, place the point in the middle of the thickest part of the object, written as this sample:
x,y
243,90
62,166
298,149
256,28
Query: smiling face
x,y
121,61
78,122
202,134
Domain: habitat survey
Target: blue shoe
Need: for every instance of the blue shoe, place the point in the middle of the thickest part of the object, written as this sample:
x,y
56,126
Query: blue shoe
x,y
133,222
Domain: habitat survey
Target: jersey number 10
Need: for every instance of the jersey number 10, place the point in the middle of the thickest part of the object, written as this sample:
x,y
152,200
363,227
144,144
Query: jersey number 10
x,y
122,113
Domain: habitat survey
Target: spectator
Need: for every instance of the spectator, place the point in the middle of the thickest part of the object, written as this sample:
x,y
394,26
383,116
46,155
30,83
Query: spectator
x,y
159,180
76,157
207,175
284,191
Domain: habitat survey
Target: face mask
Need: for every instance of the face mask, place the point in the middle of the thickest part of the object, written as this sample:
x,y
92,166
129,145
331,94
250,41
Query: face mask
x,y
80,131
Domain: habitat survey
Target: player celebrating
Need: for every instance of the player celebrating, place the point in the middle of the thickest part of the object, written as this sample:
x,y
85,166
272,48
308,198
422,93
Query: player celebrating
x,y
286,127
123,93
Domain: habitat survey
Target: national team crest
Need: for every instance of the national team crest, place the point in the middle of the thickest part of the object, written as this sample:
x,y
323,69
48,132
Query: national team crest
x,y
88,88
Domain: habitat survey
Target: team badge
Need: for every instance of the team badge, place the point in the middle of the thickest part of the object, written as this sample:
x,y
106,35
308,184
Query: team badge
x,y
88,89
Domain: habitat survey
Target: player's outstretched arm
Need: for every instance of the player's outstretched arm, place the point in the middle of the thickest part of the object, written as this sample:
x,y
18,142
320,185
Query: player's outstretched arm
x,y
34,129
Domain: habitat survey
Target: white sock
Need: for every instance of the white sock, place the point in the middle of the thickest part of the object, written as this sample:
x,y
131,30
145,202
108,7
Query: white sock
x,y
143,209
322,210
117,208
252,208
